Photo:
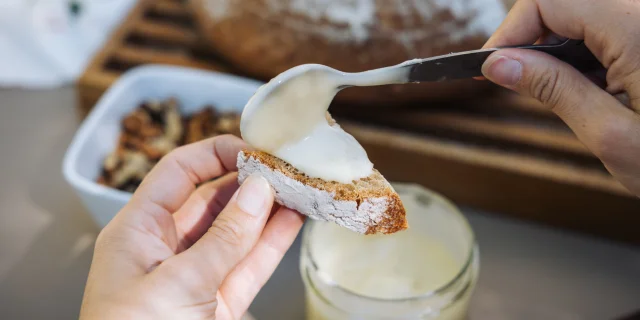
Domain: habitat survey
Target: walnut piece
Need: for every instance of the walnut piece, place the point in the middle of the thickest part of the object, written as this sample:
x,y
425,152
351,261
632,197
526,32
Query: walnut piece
x,y
135,165
153,130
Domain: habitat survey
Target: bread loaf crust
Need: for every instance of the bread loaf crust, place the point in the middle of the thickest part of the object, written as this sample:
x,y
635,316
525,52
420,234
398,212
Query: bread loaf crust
x,y
264,39
368,206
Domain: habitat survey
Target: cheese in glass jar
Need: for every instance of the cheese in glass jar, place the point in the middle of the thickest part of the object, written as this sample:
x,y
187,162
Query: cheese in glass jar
x,y
425,272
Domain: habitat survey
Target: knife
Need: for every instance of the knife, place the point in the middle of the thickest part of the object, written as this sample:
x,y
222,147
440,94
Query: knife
x,y
468,64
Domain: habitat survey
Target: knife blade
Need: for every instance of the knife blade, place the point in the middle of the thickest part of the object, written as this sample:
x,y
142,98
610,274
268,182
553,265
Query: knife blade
x,y
468,64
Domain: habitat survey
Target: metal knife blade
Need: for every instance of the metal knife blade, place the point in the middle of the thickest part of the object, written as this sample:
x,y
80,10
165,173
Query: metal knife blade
x,y
468,64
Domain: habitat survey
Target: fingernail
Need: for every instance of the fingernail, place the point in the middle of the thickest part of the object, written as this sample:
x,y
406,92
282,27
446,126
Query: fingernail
x,y
253,194
502,70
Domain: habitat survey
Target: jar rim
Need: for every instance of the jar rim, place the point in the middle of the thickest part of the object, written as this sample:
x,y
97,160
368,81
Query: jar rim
x,y
469,261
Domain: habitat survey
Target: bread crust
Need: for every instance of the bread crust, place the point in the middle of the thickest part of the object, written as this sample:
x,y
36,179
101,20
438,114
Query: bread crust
x,y
262,43
368,206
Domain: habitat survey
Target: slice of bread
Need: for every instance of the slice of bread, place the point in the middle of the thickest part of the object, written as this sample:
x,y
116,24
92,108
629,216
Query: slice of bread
x,y
368,206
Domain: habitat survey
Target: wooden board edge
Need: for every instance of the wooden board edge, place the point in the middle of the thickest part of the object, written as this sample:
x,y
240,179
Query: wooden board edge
x,y
609,213
96,65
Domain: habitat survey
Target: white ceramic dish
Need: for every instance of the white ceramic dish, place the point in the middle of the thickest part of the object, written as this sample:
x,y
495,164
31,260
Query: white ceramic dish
x,y
99,132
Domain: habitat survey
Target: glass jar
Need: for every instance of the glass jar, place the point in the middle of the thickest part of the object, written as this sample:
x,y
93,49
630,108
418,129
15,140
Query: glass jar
x,y
428,271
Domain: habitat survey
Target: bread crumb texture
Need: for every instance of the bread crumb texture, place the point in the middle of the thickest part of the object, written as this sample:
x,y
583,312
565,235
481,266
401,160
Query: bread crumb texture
x,y
368,206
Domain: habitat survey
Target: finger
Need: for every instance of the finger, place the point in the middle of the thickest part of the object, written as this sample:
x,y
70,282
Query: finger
x,y
231,237
174,178
523,25
632,88
203,206
601,122
246,280
162,191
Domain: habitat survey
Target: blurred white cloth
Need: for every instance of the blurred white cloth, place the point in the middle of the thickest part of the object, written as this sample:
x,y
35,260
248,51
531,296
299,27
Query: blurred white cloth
x,y
43,45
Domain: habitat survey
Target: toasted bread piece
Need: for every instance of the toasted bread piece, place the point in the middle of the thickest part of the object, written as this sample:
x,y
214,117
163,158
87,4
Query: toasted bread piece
x,y
368,206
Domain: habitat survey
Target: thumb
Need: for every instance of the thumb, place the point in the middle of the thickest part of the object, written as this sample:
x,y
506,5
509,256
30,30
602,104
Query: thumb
x,y
608,128
538,75
585,107
231,237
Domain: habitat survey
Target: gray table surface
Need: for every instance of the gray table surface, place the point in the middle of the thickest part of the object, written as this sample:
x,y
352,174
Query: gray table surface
x,y
46,241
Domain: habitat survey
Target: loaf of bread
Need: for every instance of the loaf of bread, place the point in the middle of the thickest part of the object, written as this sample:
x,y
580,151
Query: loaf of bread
x,y
264,37
368,206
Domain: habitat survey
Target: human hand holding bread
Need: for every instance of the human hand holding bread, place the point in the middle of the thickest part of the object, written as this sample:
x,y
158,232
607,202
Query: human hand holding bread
x,y
177,251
